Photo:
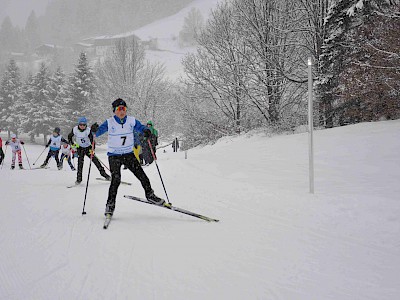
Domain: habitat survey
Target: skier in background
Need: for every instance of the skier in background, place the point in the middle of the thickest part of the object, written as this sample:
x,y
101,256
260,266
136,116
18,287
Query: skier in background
x,y
84,139
55,145
66,153
15,145
120,129
153,138
1,150
175,145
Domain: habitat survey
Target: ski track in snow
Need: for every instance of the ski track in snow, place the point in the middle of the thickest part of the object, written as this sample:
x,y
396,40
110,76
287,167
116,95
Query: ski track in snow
x,y
274,239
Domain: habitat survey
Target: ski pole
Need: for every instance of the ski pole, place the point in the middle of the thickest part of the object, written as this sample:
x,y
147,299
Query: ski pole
x,y
27,157
2,163
87,182
39,156
158,169
102,163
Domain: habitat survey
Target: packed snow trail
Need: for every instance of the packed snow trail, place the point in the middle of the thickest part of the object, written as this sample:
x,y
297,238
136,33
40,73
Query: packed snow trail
x,y
274,239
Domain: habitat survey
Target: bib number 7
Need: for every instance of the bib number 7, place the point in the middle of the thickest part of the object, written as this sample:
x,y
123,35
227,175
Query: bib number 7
x,y
123,140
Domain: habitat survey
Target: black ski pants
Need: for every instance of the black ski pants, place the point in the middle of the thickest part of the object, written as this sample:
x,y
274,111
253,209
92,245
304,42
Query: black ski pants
x,y
1,155
147,155
130,161
50,154
82,151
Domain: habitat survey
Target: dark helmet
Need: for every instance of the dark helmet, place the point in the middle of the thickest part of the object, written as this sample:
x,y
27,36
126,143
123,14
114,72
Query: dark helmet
x,y
57,130
118,102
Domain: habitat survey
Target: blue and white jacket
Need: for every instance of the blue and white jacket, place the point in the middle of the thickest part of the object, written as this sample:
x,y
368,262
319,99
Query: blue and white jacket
x,y
120,134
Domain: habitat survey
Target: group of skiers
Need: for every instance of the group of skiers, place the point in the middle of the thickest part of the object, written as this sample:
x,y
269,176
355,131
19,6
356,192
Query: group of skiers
x,y
130,144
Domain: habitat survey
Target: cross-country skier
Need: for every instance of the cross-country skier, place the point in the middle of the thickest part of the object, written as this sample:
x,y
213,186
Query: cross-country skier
x,y
55,145
153,138
1,150
15,145
120,129
84,138
66,153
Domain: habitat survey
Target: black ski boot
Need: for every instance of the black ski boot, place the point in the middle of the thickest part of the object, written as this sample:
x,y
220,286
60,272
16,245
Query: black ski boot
x,y
151,197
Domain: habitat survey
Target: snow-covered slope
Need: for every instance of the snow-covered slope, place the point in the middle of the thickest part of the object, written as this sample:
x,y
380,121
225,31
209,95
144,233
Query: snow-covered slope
x,y
274,240
166,31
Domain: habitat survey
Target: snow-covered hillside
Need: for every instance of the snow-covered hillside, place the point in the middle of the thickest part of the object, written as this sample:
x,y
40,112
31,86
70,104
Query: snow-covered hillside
x,y
274,240
166,31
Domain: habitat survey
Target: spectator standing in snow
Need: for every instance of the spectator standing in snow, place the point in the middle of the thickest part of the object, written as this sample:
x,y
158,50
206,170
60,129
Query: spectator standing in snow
x,y
175,145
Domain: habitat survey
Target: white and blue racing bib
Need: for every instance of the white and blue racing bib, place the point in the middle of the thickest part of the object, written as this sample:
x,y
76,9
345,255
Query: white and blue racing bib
x,y
82,137
120,136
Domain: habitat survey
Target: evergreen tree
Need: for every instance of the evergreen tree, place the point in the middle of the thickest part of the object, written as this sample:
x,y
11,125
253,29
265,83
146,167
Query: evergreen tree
x,y
32,32
370,83
28,96
81,89
40,109
58,98
359,63
10,94
7,36
332,58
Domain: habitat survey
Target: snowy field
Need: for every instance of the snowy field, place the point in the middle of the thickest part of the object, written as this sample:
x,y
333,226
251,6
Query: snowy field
x,y
275,240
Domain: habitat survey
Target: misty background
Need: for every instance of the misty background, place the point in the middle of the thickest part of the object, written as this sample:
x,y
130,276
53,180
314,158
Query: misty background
x,y
201,69
19,10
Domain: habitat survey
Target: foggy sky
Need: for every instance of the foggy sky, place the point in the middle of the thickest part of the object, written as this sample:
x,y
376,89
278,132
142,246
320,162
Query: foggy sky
x,y
19,10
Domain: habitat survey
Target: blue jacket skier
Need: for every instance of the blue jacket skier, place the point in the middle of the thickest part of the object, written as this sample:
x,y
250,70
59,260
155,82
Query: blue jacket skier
x,y
120,129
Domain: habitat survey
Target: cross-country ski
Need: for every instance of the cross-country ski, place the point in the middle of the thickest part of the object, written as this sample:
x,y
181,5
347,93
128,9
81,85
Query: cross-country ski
x,y
173,208
122,182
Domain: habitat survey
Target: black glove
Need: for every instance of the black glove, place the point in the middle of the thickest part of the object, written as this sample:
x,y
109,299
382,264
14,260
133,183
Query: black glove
x,y
7,143
146,133
46,146
94,127
22,143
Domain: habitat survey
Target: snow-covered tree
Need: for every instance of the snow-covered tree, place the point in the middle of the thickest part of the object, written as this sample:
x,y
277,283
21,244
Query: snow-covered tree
x,y
32,32
334,50
360,63
40,110
81,90
57,98
192,25
10,98
125,73
28,97
7,36
118,73
370,83
217,72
